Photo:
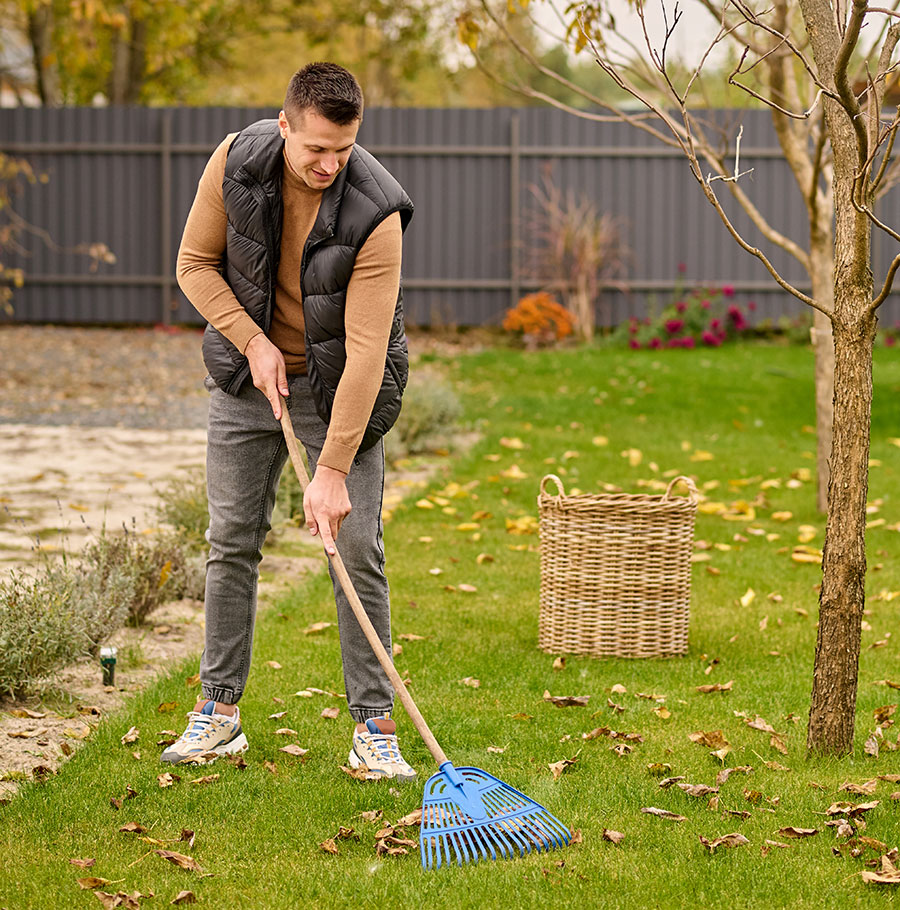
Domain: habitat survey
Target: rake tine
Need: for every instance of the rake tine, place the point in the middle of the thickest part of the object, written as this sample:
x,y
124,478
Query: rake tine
x,y
496,835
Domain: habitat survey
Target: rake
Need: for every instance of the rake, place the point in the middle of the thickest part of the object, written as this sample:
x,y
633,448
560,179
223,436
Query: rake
x,y
467,814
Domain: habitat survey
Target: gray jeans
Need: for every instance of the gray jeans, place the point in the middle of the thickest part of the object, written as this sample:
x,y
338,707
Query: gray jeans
x,y
245,455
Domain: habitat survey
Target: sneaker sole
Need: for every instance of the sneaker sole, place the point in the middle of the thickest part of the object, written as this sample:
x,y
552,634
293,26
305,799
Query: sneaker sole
x,y
232,747
356,762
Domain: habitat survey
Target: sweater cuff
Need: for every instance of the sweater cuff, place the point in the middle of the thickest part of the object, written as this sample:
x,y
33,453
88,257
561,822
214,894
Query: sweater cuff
x,y
242,335
336,455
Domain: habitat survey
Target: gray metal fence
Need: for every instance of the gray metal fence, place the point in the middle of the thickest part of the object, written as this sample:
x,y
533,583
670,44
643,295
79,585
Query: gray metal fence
x,y
126,177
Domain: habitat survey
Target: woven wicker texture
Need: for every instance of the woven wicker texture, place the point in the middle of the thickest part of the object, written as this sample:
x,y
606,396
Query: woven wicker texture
x,y
615,571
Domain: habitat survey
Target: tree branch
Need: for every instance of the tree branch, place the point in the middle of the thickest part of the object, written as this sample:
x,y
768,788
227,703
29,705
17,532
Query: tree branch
x,y
842,83
888,284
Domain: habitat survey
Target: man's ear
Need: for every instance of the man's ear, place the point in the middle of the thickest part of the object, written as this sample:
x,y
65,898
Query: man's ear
x,y
282,124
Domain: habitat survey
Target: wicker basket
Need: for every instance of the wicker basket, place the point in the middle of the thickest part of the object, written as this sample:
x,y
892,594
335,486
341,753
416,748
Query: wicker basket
x,y
615,571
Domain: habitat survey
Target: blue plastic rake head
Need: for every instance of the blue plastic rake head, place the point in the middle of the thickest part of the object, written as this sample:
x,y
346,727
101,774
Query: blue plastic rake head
x,y
468,815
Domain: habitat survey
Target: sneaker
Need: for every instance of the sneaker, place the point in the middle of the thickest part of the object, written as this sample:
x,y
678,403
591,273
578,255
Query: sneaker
x,y
379,753
207,737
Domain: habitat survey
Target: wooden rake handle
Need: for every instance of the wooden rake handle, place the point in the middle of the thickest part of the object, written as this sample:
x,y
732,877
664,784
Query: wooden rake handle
x,y
337,564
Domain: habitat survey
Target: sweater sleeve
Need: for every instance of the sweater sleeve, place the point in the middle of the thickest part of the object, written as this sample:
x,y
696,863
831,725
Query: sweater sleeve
x,y
200,256
369,313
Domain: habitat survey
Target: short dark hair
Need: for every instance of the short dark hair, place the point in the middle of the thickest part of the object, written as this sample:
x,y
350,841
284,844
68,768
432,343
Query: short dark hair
x,y
326,88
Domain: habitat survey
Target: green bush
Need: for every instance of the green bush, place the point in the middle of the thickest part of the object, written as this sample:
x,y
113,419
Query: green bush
x,y
43,626
430,416
184,507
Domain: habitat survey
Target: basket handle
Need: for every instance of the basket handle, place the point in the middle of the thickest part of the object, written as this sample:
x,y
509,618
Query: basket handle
x,y
688,482
559,485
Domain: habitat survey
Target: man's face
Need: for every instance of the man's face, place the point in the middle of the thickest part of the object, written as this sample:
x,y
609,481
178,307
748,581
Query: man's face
x,y
316,148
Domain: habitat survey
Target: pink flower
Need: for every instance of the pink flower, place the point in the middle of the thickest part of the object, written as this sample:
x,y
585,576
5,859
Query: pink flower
x,y
715,324
655,343
728,290
673,343
706,304
711,339
687,342
681,306
634,343
674,325
682,267
751,306
890,341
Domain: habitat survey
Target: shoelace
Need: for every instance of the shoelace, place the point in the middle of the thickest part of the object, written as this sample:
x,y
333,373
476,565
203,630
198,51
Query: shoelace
x,y
386,744
199,723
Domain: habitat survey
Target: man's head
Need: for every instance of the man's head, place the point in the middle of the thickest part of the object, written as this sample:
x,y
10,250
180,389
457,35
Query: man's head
x,y
322,112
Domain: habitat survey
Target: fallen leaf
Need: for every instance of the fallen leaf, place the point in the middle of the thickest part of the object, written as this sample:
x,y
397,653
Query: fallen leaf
x,y
331,713
657,769
697,789
191,681
410,636
776,742
166,707
82,863
864,789
871,745
471,682
180,860
726,840
273,664
360,773
208,779
133,828
278,715
496,750
664,813
557,768
184,897
615,837
559,663
317,627
670,781
187,836
716,687
88,884
759,724
711,739
91,710
286,731
26,712
748,597
725,773
511,442
270,766
373,815
662,712
295,750
566,701
521,716
797,832
131,736
414,818
167,779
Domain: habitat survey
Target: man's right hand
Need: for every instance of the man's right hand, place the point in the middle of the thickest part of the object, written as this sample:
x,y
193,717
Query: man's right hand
x,y
268,371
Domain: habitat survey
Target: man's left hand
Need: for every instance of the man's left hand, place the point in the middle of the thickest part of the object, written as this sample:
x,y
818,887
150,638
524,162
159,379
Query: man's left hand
x,y
326,504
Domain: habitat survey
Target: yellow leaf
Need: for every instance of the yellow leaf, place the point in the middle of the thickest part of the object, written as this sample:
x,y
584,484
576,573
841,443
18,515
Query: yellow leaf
x,y
894,441
740,510
748,597
468,589
807,555
468,526
600,441
511,442
807,533
514,472
701,455
527,524
634,456
712,508
782,516
424,504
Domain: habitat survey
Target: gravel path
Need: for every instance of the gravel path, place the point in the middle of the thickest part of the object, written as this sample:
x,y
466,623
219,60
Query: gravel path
x,y
97,377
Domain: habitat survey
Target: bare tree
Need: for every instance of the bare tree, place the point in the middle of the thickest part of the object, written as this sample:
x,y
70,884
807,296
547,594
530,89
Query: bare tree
x,y
839,149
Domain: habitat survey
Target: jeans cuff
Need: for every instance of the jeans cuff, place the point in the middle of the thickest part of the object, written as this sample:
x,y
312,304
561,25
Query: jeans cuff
x,y
222,696
361,715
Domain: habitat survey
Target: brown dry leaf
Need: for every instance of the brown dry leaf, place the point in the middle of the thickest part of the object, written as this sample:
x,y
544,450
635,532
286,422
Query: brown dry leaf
x,y
711,739
776,843
271,767
192,681
331,713
471,682
577,837
131,736
521,716
360,773
596,733
557,768
566,701
210,778
622,749
698,789
758,723
890,778
871,746
295,750
791,831
166,707
776,742
883,713
559,663
67,750
167,779
617,709
373,815
864,789
273,665
669,781
26,712
83,863
716,687
277,715
396,649
88,884
496,750
414,818
286,731
133,828
411,636
91,710
180,860
184,897
188,837
657,769
467,589
345,833
725,773
77,733
726,840
664,813
23,734
615,837
317,627
775,766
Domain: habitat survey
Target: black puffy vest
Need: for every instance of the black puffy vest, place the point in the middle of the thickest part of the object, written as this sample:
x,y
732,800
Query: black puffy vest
x,y
361,197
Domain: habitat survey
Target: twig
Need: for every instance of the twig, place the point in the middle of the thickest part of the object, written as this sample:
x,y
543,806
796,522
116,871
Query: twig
x,y
737,163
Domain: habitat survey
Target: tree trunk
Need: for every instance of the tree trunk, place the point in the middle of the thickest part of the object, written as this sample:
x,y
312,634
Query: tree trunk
x,y
842,598
46,71
822,278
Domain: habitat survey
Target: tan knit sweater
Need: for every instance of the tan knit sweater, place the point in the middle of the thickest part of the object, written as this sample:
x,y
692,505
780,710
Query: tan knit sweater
x,y
371,297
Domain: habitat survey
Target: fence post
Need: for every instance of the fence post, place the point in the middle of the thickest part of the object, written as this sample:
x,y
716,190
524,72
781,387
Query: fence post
x,y
166,216
515,158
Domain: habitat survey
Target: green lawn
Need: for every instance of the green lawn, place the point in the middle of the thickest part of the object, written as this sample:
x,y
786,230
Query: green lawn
x,y
258,833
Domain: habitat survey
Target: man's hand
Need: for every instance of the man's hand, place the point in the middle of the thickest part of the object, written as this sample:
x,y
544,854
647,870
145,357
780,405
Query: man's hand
x,y
326,504
268,371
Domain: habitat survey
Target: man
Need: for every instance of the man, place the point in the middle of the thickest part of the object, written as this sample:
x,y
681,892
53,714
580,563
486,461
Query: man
x,y
291,252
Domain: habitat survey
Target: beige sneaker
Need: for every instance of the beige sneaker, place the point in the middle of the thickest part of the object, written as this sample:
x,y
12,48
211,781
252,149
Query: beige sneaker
x,y
379,753
207,737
